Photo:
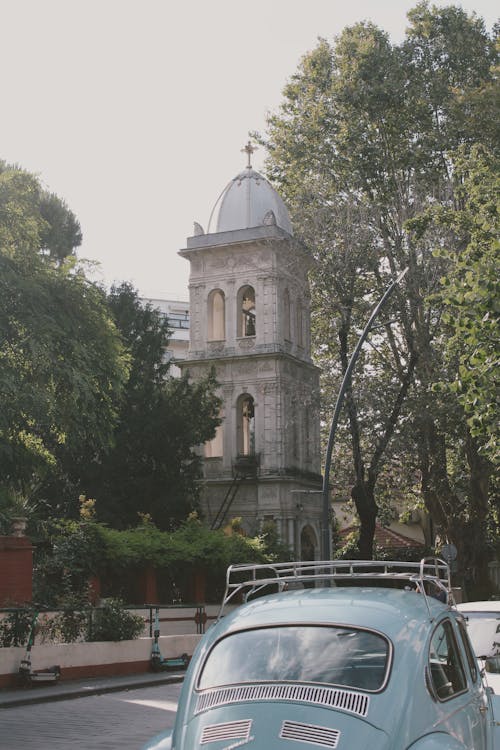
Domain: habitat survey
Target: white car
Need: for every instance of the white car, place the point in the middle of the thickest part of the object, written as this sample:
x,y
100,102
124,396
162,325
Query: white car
x,y
483,626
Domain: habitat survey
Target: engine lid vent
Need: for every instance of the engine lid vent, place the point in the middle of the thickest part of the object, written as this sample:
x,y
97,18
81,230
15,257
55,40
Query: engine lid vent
x,y
229,730
312,733
328,697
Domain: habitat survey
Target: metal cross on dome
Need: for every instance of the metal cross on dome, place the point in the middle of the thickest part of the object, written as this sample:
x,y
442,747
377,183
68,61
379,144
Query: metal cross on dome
x,y
249,150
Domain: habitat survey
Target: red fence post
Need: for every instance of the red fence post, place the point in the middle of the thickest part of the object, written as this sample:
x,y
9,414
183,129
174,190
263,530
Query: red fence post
x,y
199,585
149,588
16,570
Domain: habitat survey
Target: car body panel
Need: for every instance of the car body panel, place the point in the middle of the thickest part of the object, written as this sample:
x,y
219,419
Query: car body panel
x,y
162,741
437,741
268,724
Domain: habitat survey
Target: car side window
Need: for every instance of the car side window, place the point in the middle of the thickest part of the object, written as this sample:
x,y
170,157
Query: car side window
x,y
471,659
445,664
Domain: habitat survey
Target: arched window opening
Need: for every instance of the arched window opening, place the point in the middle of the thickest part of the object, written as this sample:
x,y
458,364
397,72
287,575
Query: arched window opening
x,y
246,426
216,316
286,316
215,448
246,299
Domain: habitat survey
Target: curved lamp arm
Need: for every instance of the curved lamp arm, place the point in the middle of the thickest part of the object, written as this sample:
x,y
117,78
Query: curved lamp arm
x,y
326,552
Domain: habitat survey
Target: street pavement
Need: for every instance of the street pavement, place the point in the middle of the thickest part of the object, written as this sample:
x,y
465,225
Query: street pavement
x,y
106,714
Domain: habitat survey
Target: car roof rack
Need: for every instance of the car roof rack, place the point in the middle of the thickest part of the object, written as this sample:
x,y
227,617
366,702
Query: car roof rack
x,y
430,576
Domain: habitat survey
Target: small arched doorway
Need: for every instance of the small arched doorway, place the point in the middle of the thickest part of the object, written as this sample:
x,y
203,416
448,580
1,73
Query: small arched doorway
x,y
308,543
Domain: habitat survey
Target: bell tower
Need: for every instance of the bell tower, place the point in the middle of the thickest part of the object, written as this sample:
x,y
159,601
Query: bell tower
x,y
250,320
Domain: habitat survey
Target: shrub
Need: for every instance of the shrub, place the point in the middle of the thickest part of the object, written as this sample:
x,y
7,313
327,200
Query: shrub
x,y
15,627
111,622
67,626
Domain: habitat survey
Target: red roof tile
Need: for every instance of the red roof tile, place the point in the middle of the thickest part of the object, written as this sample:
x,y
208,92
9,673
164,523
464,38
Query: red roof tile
x,y
387,538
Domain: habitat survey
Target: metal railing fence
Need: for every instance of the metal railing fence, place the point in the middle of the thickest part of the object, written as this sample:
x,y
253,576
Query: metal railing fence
x,y
16,622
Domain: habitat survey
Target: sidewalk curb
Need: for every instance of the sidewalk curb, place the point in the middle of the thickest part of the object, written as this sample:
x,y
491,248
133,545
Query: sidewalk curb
x,y
62,692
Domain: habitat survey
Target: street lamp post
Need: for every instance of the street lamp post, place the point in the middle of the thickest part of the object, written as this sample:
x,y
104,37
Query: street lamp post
x,y
326,551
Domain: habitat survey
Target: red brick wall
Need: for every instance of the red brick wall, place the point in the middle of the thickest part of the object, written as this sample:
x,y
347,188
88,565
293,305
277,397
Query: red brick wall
x,y
16,570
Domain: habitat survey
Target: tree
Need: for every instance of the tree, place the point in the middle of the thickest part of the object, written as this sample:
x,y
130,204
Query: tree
x,y
62,365
31,217
153,466
459,444
359,148
471,295
61,233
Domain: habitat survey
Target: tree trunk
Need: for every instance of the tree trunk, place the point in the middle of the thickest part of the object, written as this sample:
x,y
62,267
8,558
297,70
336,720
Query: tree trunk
x,y
459,521
363,495
475,534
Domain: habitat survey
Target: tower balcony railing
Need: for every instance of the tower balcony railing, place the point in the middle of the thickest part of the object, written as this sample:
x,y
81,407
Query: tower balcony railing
x,y
247,464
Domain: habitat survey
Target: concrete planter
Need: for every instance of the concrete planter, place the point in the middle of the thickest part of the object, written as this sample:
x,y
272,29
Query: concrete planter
x,y
98,659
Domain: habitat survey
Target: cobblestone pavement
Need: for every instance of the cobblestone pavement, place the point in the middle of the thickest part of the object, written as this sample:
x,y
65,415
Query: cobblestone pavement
x,y
113,721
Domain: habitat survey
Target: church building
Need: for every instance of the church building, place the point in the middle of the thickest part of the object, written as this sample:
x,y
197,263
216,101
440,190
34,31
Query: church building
x,y
249,308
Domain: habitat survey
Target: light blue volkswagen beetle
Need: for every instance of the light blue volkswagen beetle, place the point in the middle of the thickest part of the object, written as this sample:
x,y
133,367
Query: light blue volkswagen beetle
x,y
351,655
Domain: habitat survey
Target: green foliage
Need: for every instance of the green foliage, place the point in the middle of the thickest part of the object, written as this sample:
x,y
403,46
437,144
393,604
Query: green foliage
x,y
111,622
87,404
61,233
76,551
32,219
153,466
192,544
15,627
405,554
348,549
20,220
67,626
275,550
70,554
75,622
62,365
359,149
471,295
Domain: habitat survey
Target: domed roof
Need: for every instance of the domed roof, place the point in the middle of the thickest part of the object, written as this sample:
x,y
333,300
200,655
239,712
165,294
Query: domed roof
x,y
248,201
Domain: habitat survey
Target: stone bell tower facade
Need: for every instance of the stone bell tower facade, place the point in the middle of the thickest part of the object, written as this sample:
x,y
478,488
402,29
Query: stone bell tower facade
x,y
250,320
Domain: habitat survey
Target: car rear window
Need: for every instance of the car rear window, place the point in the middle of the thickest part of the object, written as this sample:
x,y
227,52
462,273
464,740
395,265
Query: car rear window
x,y
299,653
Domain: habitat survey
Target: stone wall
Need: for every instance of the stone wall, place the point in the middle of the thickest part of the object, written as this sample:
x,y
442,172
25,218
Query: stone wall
x,y
98,659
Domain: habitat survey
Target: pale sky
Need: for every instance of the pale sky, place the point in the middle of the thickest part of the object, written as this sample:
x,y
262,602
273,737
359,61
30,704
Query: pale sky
x,y
135,111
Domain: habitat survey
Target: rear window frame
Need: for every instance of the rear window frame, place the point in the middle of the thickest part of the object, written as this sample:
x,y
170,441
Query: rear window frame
x,y
328,625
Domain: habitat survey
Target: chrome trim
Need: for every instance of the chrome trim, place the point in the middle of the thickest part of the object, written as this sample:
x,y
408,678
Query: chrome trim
x,y
228,730
310,733
430,570
346,700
